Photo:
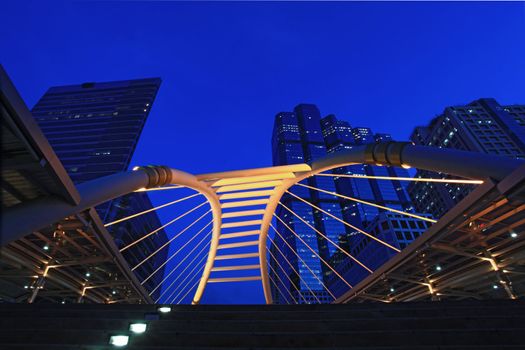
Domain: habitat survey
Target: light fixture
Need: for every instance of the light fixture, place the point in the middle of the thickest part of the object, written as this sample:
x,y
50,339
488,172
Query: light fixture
x,y
495,286
25,287
113,292
88,274
135,168
513,234
164,309
438,268
137,328
119,340
46,247
63,301
392,290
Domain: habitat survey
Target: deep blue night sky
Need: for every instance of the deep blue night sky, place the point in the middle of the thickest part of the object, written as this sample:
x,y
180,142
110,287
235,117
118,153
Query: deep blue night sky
x,y
229,67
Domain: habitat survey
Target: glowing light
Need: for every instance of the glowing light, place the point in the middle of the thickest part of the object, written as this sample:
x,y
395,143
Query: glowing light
x,y
164,309
392,290
495,286
135,168
438,268
113,292
513,234
46,247
25,287
119,340
88,274
399,178
494,264
137,328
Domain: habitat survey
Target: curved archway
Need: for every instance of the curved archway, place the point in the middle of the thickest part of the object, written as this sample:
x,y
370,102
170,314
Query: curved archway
x,y
468,165
279,179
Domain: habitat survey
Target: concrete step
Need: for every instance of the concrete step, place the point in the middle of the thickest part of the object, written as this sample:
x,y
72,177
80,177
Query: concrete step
x,y
458,337
432,325
348,347
488,304
303,325
266,313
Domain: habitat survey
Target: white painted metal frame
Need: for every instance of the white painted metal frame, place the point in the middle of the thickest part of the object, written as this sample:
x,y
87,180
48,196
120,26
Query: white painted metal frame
x,y
236,190
465,164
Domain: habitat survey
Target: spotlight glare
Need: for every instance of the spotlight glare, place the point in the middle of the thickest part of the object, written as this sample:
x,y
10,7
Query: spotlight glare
x,y
164,309
495,286
513,235
46,247
119,340
138,327
438,268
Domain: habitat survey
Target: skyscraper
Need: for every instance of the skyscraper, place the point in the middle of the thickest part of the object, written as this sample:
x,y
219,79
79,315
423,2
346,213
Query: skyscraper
x,y
94,129
480,126
302,136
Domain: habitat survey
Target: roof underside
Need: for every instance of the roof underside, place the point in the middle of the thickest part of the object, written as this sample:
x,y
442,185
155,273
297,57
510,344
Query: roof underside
x,y
473,251
66,250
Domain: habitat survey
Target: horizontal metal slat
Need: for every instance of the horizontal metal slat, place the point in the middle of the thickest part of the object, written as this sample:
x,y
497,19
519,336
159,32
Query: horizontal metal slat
x,y
236,256
247,203
236,268
236,214
237,245
234,279
240,234
248,186
241,223
246,194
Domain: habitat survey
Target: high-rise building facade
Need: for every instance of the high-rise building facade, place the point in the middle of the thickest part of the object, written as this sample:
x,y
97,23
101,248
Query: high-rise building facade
x,y
480,126
94,129
302,136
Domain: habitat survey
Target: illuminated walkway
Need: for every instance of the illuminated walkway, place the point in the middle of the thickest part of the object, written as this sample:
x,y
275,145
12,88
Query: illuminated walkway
x,y
240,212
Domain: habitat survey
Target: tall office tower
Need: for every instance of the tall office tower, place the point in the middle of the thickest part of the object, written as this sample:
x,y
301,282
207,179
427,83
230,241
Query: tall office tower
x,y
297,138
94,129
481,126
301,137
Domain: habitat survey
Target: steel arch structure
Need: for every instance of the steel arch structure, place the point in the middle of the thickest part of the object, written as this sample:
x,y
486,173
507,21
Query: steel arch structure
x,y
229,193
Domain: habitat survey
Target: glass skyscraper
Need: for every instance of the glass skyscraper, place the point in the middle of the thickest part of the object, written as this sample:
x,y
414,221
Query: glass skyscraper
x,y
480,126
94,129
302,136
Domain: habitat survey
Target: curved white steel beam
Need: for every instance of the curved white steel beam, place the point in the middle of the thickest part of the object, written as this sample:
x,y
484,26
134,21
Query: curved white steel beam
x,y
263,236
403,154
42,212
191,181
